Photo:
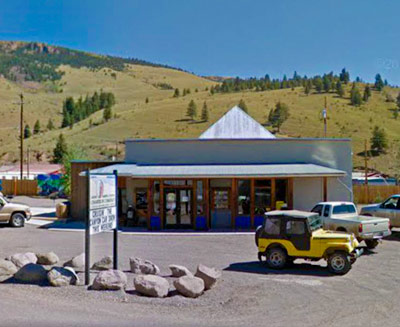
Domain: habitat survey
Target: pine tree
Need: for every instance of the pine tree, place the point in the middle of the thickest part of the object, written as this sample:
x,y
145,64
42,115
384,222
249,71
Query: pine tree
x,y
50,125
318,84
367,93
326,83
378,140
344,76
355,96
27,132
36,127
379,84
191,110
176,93
307,88
60,149
147,100
204,112
279,115
107,114
398,100
339,89
243,106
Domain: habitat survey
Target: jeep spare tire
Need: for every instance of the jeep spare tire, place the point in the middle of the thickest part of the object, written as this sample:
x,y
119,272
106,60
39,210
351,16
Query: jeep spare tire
x,y
276,258
339,263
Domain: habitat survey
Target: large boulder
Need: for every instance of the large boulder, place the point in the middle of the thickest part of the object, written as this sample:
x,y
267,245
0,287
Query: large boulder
x,y
77,262
208,275
47,258
179,271
60,276
105,263
31,274
7,269
146,267
110,280
189,286
22,259
151,285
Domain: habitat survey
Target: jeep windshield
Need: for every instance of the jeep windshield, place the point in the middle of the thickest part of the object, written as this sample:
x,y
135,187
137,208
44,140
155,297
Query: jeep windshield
x,y
315,222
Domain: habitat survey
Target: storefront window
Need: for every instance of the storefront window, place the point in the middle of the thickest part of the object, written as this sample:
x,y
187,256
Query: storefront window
x,y
243,200
262,196
281,186
156,198
141,205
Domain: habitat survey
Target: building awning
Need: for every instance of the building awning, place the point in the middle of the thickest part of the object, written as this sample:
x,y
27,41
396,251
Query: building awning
x,y
218,171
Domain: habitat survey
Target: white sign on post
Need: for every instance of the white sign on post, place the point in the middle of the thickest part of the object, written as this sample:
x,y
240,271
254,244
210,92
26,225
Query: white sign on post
x,y
102,203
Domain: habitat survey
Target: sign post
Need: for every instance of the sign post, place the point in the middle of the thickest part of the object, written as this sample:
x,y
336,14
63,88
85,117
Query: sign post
x,y
102,213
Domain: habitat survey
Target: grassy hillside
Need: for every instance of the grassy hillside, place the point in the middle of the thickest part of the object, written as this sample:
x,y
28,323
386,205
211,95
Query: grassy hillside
x,y
164,116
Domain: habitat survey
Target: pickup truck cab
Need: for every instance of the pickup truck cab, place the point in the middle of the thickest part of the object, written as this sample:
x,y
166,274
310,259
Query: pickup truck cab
x,y
14,214
287,235
343,216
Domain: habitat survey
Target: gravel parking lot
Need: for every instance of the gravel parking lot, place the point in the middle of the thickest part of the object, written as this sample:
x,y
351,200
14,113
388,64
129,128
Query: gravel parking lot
x,y
248,293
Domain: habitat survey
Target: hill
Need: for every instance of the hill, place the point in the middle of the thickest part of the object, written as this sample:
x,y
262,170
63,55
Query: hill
x,y
146,107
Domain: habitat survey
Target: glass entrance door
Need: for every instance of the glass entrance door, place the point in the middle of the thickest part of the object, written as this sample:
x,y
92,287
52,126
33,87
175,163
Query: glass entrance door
x,y
221,208
178,208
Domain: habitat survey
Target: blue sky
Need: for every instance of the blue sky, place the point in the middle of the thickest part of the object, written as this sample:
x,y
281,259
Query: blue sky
x,y
218,37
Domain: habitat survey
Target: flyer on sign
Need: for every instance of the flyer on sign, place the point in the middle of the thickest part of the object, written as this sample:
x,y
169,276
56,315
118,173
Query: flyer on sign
x,y
102,203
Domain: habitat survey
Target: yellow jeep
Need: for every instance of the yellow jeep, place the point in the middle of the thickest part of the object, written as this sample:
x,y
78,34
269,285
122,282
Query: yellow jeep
x,y
288,235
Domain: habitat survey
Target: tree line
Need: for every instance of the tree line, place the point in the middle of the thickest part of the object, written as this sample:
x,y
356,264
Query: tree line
x,y
329,82
76,110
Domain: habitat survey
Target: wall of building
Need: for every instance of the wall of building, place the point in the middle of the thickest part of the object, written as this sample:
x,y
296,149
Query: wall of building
x,y
307,192
332,153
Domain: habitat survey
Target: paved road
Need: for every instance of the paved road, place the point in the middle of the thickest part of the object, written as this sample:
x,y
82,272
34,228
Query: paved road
x,y
248,294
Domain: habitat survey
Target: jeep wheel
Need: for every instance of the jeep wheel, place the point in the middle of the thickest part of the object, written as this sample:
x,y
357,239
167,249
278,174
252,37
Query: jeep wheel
x,y
17,220
276,258
339,263
371,244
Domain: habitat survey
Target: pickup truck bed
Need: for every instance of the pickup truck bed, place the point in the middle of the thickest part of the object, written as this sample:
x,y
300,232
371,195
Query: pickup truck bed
x,y
343,216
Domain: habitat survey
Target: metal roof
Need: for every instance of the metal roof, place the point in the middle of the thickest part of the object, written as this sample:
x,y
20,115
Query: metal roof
x,y
236,124
224,170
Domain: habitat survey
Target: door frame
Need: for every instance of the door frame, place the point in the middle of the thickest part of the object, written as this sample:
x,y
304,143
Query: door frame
x,y
177,190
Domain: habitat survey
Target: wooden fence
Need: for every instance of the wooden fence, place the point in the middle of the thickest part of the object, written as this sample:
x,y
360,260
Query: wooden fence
x,y
19,187
373,193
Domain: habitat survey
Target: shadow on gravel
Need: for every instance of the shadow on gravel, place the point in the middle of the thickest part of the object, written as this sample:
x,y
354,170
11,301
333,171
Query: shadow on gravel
x,y
256,267
394,237
12,280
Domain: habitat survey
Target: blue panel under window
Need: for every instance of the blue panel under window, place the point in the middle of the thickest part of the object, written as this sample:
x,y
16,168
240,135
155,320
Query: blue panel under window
x,y
155,222
258,220
243,222
201,222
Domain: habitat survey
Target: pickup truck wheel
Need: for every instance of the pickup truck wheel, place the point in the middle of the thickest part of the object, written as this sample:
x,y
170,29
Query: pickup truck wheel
x,y
276,258
371,244
339,263
17,220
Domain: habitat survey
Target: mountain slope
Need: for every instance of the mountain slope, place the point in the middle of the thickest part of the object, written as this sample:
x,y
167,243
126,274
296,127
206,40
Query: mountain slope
x,y
164,116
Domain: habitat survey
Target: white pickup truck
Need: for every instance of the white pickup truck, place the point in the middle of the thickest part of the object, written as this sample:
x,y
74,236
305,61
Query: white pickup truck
x,y
343,216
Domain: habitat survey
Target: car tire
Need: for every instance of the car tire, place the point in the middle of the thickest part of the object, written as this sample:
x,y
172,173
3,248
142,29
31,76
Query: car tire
x,y
17,220
276,258
371,244
339,263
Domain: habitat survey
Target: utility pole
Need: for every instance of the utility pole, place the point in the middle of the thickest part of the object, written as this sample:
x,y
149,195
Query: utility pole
x,y
325,117
27,161
366,170
22,136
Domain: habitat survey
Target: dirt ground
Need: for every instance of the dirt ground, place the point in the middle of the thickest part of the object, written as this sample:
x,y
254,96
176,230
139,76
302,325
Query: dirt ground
x,y
248,294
